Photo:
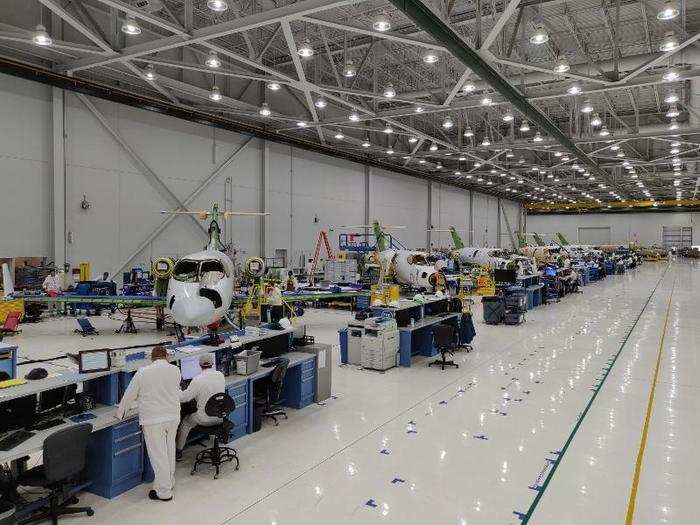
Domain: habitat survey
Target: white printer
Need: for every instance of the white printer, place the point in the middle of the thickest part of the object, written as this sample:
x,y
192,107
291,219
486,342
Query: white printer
x,y
356,330
380,344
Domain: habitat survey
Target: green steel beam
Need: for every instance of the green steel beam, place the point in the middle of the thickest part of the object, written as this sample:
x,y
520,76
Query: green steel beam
x,y
423,17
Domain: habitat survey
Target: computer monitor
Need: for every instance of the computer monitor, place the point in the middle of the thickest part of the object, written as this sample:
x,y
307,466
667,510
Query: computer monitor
x,y
274,346
17,413
56,398
504,276
271,313
94,361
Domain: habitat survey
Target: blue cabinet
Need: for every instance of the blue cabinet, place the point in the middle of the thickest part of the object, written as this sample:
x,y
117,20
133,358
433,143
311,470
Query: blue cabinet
x,y
116,459
239,417
299,387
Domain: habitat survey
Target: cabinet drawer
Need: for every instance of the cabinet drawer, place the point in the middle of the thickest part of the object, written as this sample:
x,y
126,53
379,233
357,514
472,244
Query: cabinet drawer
x,y
127,462
307,374
308,365
124,429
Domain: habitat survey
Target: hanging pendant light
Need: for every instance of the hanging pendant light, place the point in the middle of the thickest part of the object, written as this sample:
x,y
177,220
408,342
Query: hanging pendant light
x,y
381,23
366,143
320,103
537,137
586,107
339,135
468,132
274,86
131,26
388,129
354,116
448,123
671,74
389,91
41,37
412,139
562,65
540,36
218,6
508,116
524,127
215,94
213,61
430,57
468,86
673,111
669,42
305,50
149,73
668,11
265,110
596,120
604,132
349,70
671,97
574,88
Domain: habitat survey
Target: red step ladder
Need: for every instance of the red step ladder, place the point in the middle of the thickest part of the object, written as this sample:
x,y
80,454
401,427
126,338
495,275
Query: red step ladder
x,y
322,237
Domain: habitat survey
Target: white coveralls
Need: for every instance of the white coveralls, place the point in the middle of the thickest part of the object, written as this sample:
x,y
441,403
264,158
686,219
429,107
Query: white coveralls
x,y
202,387
156,389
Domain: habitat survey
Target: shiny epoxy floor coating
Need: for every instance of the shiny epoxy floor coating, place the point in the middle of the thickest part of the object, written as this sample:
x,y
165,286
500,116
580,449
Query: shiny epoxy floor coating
x,y
540,424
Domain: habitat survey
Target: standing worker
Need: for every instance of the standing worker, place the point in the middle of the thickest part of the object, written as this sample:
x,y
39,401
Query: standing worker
x,y
52,285
291,283
105,277
201,388
156,388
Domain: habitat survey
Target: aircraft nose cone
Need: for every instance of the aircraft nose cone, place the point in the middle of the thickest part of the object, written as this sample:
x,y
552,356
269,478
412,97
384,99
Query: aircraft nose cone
x,y
192,311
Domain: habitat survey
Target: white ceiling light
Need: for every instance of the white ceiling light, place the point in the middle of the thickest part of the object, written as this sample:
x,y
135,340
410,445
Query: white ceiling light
x,y
671,98
558,153
562,66
381,23
574,88
468,86
508,117
457,172
213,61
150,72
486,101
539,37
669,42
673,124
390,151
418,109
215,94
320,103
412,139
218,6
448,123
486,142
477,164
433,147
537,137
131,26
671,74
349,70
264,110
41,37
675,144
510,155
614,147
620,153
565,158
604,132
430,57
388,129
468,132
521,160
389,91
462,158
366,143
421,161
305,50
301,124
673,111
339,135
273,86
524,126
586,107
596,120
354,116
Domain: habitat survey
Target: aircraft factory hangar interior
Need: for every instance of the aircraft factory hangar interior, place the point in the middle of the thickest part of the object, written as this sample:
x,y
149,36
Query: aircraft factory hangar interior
x,y
312,262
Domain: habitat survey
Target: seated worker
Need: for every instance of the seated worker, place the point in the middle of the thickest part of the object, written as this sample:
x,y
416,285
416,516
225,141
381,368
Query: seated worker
x,y
291,284
274,295
202,387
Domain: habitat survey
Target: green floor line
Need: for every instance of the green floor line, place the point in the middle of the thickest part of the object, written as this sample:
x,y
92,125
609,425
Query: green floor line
x,y
549,477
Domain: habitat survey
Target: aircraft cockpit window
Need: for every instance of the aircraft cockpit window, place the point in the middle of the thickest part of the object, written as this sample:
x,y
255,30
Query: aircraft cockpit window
x,y
211,272
186,271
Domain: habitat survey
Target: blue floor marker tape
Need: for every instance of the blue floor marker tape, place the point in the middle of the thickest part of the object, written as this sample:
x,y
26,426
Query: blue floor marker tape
x,y
398,480
371,503
384,451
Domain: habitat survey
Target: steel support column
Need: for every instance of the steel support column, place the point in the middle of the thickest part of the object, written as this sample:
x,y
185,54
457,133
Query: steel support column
x,y
59,178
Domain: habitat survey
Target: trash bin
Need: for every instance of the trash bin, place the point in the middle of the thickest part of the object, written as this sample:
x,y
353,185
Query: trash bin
x,y
494,309
247,362
258,409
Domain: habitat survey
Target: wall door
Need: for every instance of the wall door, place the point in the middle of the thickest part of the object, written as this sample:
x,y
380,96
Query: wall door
x,y
677,236
594,236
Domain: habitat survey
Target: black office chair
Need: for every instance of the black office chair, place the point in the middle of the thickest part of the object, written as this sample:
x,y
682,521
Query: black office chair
x,y
444,340
64,459
218,406
273,392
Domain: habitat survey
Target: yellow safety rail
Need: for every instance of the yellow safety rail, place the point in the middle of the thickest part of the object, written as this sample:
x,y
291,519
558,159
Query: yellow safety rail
x,y
627,204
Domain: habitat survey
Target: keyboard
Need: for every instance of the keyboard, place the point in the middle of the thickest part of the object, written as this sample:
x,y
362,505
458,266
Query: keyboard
x,y
15,438
271,363
48,423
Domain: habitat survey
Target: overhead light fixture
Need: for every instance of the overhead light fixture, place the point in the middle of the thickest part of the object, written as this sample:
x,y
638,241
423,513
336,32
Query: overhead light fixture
x,y
669,42
388,129
433,147
565,158
218,6
574,88
486,101
339,135
421,161
381,23
320,103
671,74
558,153
668,11
521,160
469,132
486,142
462,158
305,49
366,143
390,151
264,110
537,137
215,94
562,66
213,61
508,117
273,86
620,153
477,164
468,86
675,144
438,166
614,147
418,109
131,26
389,91
671,98
540,36
430,57
150,72
524,126
349,69
604,132
41,36
354,116
673,111
586,107
448,123
596,120
412,139
301,124
673,124
510,155
457,172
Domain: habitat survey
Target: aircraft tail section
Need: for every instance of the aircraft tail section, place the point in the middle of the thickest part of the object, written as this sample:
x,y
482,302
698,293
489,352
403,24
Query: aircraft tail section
x,y
379,235
562,239
521,240
7,284
539,240
456,239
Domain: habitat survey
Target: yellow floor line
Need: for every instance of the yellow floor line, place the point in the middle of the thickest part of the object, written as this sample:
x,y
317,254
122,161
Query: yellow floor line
x,y
645,431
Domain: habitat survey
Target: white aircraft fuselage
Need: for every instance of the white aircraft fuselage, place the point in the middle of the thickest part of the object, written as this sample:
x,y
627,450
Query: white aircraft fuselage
x,y
410,268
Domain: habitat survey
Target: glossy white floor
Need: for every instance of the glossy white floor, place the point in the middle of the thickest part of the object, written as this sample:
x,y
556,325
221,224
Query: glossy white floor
x,y
479,444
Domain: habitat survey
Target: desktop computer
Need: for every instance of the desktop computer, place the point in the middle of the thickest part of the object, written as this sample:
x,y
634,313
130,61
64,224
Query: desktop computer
x,y
17,413
271,313
274,346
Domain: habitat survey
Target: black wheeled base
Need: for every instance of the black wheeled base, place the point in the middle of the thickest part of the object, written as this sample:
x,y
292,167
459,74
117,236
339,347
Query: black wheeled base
x,y
56,509
215,456
443,363
128,326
